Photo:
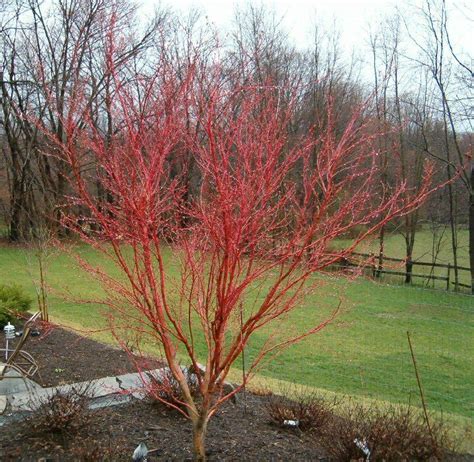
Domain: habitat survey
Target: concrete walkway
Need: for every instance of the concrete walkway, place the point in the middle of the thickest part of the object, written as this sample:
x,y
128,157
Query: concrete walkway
x,y
21,399
19,396
15,384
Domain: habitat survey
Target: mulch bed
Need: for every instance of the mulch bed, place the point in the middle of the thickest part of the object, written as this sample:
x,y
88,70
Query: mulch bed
x,y
66,357
236,433
239,431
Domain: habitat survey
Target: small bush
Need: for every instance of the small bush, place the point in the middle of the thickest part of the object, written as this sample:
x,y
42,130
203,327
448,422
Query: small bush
x,y
401,432
165,389
311,411
391,434
260,390
13,302
62,412
338,436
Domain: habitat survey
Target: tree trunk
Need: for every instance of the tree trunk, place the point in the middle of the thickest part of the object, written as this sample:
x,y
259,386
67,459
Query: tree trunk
x,y
408,270
58,199
15,218
453,225
471,228
381,252
20,212
199,437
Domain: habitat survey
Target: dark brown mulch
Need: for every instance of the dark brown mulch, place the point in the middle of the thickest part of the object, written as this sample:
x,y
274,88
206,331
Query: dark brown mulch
x,y
66,357
236,433
239,432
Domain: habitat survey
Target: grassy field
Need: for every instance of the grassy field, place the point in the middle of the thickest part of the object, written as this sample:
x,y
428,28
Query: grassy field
x,y
424,246
364,353
423,251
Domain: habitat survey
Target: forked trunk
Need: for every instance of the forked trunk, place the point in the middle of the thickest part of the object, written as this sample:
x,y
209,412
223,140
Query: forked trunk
x,y
199,437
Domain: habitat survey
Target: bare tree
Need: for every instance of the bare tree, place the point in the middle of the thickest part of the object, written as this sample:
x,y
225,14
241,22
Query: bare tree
x,y
400,114
452,78
48,53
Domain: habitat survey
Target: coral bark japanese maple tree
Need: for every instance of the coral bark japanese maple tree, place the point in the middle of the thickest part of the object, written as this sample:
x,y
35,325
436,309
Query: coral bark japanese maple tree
x,y
245,247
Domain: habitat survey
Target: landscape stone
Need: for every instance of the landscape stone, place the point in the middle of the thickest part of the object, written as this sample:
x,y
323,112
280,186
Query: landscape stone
x,y
3,404
106,391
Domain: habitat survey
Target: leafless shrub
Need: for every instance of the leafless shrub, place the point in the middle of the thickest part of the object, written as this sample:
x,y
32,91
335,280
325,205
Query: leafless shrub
x,y
62,411
390,433
311,411
338,436
260,390
401,432
165,389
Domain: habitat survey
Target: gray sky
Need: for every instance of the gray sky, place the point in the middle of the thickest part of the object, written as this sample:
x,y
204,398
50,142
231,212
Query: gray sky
x,y
352,17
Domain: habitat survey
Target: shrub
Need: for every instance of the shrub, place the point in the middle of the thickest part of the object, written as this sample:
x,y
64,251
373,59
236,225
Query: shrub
x,y
401,432
165,389
310,410
260,390
62,411
392,433
338,436
13,302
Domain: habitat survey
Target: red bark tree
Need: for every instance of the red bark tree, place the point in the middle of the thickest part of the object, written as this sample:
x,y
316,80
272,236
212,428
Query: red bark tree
x,y
270,204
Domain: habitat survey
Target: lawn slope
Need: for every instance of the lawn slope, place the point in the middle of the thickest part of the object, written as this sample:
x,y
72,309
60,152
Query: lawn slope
x,y
363,353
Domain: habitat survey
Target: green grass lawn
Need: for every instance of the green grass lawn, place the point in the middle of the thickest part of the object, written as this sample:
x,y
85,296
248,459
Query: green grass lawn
x,y
364,353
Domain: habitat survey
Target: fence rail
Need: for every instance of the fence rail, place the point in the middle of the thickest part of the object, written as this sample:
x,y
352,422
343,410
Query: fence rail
x,y
414,262
373,259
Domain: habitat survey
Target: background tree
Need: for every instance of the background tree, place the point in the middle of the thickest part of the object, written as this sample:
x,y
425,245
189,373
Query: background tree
x,y
452,85
47,53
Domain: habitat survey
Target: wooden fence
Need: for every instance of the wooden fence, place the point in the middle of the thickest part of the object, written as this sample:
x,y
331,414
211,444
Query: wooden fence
x,y
371,261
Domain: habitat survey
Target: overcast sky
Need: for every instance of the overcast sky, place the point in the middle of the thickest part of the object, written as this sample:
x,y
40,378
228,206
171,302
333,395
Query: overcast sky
x,y
352,17
300,15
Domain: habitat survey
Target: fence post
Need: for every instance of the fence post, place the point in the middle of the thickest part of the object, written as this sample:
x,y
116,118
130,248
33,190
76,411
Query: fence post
x,y
372,261
448,276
